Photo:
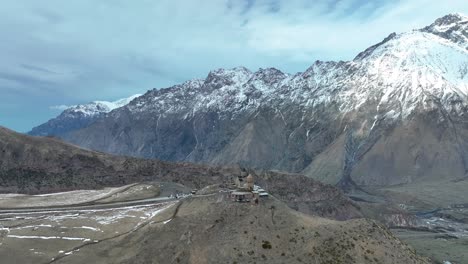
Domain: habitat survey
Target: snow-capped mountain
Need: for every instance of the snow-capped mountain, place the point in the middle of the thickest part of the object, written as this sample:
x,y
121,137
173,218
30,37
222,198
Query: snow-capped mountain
x,y
98,107
453,27
78,116
409,67
395,114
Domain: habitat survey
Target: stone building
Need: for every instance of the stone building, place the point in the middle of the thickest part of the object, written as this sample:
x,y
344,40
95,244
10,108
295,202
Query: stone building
x,y
245,190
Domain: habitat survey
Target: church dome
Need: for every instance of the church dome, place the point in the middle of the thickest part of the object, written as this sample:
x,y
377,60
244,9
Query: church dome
x,y
250,178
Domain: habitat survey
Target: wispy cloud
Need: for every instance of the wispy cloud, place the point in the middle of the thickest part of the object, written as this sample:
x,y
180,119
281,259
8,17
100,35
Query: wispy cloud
x,y
76,51
38,69
59,107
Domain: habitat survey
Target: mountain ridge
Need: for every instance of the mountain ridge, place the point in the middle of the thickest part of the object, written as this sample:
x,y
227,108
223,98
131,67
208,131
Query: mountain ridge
x,y
78,116
271,120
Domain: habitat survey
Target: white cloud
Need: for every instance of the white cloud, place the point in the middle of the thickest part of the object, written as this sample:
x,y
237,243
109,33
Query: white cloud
x,y
340,36
77,51
59,107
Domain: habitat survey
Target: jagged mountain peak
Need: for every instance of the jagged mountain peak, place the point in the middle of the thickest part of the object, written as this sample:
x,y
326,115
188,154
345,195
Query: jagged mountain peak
x,y
78,116
269,76
99,107
188,85
227,77
450,19
431,62
323,68
369,50
452,27
268,71
231,73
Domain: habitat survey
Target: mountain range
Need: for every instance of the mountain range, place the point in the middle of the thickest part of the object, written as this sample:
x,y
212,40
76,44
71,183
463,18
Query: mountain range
x,y
395,114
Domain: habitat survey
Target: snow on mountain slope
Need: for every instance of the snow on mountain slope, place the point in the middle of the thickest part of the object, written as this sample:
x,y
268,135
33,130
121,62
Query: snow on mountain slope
x,y
453,27
78,116
99,107
409,69
405,69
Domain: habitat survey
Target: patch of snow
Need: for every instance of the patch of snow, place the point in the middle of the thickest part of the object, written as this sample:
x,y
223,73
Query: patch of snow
x,y
59,198
87,227
47,237
99,107
31,226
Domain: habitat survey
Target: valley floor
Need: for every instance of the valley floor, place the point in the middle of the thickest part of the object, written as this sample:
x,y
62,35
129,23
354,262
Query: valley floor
x,y
434,217
438,246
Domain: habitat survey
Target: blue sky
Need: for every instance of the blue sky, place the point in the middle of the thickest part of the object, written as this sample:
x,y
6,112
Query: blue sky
x,y
56,52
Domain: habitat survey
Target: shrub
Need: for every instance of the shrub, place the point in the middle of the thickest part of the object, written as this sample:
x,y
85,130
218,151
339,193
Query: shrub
x,y
266,245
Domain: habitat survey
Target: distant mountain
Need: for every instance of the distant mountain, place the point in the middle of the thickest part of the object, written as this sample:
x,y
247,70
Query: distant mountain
x,y
78,116
396,114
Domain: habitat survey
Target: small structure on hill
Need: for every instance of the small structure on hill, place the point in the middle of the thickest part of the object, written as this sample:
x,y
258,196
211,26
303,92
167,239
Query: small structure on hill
x,y
245,190
242,196
261,192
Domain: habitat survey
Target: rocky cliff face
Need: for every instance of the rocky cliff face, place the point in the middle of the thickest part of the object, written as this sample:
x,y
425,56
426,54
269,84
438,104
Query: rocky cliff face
x,y
395,114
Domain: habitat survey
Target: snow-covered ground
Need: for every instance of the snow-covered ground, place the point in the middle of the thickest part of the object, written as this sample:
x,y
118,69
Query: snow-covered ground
x,y
57,199
46,236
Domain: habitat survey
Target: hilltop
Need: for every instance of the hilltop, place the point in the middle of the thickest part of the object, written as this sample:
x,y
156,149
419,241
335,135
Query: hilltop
x,y
212,229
